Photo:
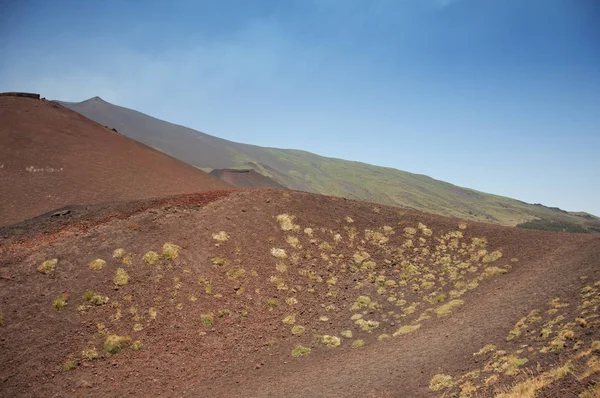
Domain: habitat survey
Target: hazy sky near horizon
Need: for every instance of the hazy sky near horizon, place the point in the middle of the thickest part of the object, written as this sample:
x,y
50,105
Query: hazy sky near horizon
x,y
499,96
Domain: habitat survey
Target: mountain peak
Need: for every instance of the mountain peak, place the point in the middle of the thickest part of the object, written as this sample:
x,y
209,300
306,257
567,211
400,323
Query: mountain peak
x,y
94,99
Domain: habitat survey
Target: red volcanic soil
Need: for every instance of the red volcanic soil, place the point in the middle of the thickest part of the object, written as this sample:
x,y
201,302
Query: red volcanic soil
x,y
217,320
246,178
51,157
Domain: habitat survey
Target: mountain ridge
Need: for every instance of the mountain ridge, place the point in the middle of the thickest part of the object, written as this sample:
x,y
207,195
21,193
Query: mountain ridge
x,y
306,171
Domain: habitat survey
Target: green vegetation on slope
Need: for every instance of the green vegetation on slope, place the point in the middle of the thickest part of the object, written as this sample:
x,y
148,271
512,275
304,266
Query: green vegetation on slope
x,y
309,172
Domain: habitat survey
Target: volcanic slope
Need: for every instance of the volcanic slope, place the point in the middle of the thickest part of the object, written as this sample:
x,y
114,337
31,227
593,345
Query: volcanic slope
x,y
280,293
305,171
51,156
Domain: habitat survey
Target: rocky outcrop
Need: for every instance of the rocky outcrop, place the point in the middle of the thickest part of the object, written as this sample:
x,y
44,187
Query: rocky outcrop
x,y
24,95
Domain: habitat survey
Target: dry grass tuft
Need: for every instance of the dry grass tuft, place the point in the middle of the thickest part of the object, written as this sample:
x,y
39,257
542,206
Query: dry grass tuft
x,y
97,264
114,343
94,298
299,351
491,257
440,382
119,253
361,302
121,277
287,222
207,320
278,253
592,392
491,271
271,302
357,343
219,262
235,273
60,302
291,300
221,236
298,330
292,241
406,329
69,364
530,387
137,345
329,341
347,334
446,309
48,266
151,257
170,251
89,354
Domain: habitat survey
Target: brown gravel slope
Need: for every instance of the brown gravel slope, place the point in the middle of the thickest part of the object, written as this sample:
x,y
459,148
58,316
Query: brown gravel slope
x,y
384,298
51,156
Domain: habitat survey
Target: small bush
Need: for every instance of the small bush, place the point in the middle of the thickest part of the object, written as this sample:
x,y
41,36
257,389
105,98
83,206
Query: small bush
x,y
298,330
89,354
329,341
114,343
281,267
60,302
207,320
235,273
292,241
48,266
70,364
137,345
170,251
279,253
361,302
287,222
290,319
119,253
94,298
299,351
151,257
97,264
347,334
121,277
491,271
291,301
357,343
271,302
491,257
219,262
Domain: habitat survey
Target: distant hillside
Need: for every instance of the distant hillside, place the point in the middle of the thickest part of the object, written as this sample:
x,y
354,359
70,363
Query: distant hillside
x,y
51,157
245,178
306,171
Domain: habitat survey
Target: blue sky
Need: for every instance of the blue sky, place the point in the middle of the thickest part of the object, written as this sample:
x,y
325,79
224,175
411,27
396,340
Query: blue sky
x,y
502,96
